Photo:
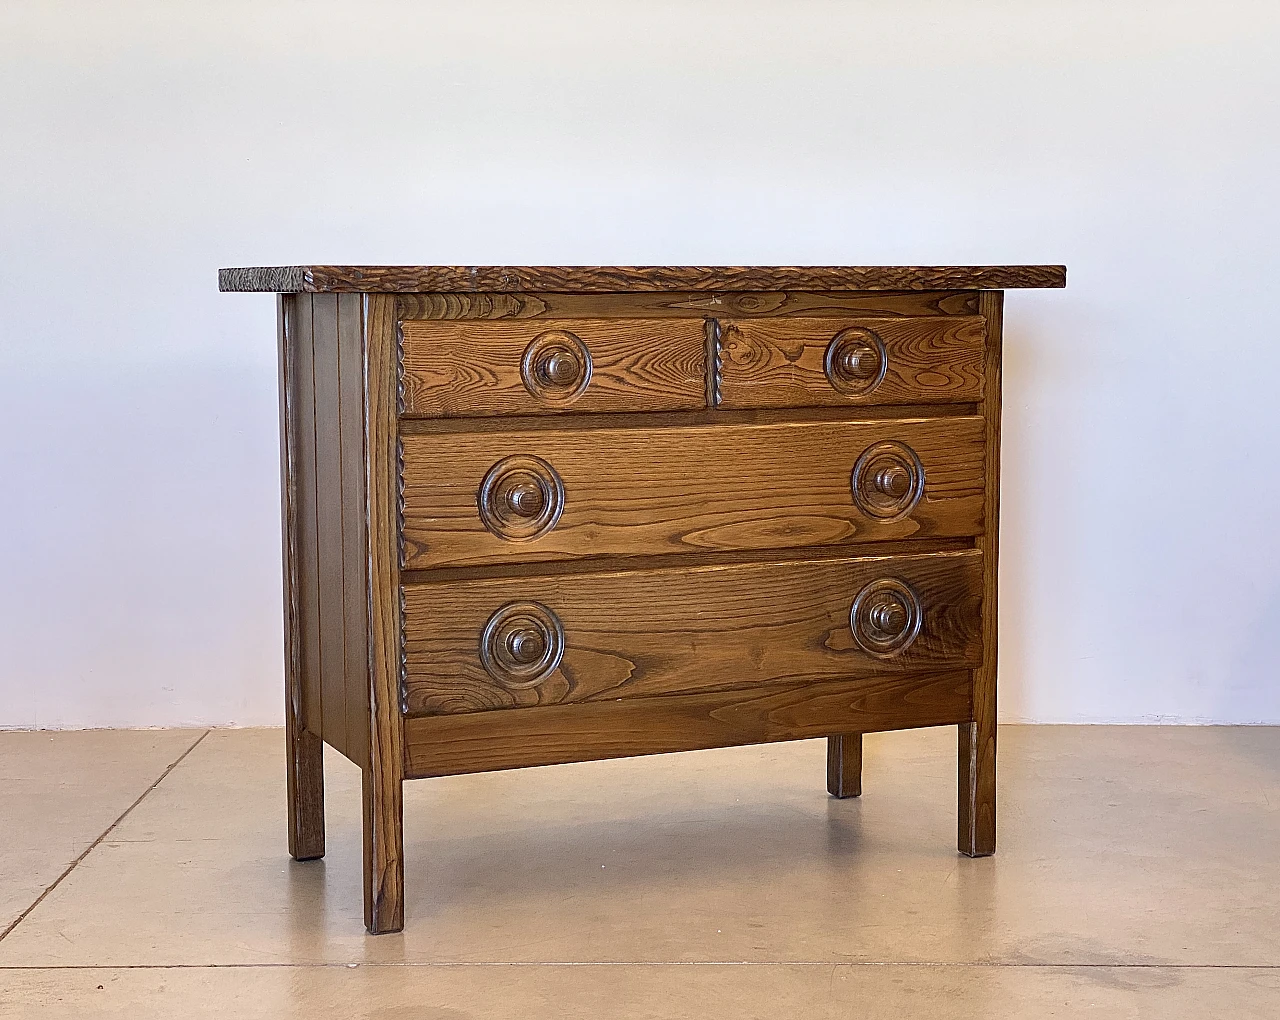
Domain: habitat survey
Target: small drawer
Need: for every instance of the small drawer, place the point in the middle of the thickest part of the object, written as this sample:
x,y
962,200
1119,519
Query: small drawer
x,y
834,362
462,368
543,494
486,644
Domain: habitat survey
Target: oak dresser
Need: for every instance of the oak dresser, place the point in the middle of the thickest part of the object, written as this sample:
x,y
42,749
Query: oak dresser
x,y
538,515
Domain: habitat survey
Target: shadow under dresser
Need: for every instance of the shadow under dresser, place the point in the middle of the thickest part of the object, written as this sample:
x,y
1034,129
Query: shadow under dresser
x,y
537,515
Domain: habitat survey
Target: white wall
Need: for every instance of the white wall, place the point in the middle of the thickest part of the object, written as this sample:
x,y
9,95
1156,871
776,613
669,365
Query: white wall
x,y
144,144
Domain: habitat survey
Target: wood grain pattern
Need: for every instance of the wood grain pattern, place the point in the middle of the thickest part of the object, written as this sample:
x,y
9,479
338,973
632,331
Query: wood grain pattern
x,y
507,424
651,632
726,493
976,817
686,560
307,549
686,305
304,761
779,362
604,279
485,741
333,666
469,367
381,786
329,552
703,488
844,765
355,537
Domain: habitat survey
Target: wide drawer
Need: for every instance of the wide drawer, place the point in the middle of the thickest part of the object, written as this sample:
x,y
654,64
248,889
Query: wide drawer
x,y
470,367
832,362
446,745
552,494
511,642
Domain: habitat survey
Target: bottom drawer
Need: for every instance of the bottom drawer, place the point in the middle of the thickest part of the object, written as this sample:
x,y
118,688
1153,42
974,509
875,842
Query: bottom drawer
x,y
447,745
499,643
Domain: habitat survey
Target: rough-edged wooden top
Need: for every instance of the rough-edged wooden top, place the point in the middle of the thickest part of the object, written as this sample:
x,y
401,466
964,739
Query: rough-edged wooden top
x,y
607,279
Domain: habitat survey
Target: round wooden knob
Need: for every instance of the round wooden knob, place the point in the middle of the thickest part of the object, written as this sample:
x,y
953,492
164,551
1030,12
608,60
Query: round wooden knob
x,y
885,617
560,368
889,616
855,361
887,481
522,644
893,480
556,366
520,498
860,361
526,498
526,646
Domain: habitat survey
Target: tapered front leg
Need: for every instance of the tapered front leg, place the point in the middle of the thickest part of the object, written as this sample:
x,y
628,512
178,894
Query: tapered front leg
x,y
383,854
844,765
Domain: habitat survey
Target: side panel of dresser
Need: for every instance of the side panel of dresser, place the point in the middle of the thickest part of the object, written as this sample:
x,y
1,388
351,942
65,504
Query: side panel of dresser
x,y
327,538
339,445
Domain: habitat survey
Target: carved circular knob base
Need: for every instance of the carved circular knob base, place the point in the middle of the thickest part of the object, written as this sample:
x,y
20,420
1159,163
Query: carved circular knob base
x,y
520,498
885,617
556,366
522,644
887,481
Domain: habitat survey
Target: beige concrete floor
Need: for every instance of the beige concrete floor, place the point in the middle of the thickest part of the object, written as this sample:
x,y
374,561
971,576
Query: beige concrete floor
x,y
1138,875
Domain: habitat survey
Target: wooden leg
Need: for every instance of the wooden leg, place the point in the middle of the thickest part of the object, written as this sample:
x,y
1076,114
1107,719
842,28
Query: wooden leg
x,y
976,835
383,854
844,765
977,788
304,751
304,754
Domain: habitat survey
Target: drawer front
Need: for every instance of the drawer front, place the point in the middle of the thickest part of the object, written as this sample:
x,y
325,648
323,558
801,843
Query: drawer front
x,y
552,494
835,362
462,368
476,645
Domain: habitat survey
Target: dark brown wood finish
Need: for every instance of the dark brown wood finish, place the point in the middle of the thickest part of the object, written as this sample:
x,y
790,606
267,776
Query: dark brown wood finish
x,y
477,367
333,666
652,632
382,791
682,419
797,545
307,563
977,739
783,362
614,279
687,560
844,765
687,304
355,531
304,751
486,741
330,551
695,489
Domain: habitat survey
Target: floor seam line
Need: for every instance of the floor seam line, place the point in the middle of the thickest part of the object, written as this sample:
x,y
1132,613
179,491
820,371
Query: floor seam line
x,y
646,963
105,833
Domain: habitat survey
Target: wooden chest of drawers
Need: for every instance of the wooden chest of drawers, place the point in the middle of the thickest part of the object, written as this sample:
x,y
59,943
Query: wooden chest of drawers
x,y
544,515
